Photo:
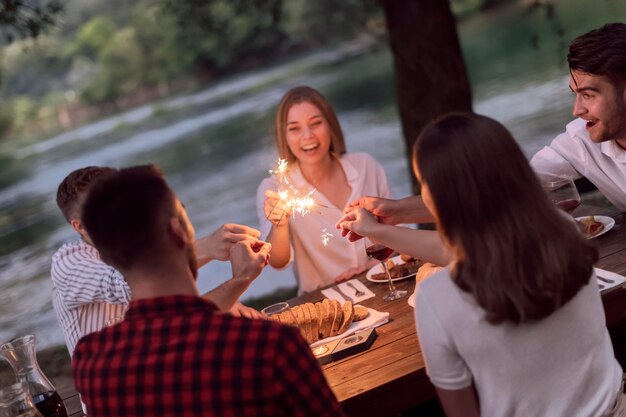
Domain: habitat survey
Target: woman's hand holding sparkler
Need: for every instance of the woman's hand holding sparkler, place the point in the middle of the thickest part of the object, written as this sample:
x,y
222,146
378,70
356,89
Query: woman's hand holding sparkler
x,y
276,208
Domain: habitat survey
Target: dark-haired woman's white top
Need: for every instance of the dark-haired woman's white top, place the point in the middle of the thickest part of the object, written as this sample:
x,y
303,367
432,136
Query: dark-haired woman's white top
x,y
563,365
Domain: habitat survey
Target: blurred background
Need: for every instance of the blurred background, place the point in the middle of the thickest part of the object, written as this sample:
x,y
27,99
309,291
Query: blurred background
x,y
118,83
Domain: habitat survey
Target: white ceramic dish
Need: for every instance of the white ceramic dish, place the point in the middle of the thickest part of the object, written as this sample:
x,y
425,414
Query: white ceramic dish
x,y
378,269
608,223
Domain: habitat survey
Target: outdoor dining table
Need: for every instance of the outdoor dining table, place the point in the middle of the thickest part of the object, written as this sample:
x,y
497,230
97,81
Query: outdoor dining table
x,y
390,376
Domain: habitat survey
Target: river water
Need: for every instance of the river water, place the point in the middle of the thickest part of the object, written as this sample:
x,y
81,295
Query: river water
x,y
215,145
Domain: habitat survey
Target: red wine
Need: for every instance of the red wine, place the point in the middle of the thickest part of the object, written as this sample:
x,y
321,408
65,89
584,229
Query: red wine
x,y
378,251
50,404
568,205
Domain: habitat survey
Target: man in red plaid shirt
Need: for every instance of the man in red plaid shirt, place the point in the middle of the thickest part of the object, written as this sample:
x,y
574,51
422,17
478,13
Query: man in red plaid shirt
x,y
175,354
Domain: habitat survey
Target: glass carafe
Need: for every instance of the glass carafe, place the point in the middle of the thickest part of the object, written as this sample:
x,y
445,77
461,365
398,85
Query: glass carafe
x,y
15,401
20,353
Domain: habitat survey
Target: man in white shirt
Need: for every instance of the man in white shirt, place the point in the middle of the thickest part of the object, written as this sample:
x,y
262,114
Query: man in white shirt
x,y
88,294
594,145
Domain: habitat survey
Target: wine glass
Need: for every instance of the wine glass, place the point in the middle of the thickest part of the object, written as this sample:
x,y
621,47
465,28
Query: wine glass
x,y
562,192
381,253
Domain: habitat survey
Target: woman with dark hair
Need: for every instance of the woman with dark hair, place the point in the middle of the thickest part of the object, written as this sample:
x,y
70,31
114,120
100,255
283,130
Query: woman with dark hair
x,y
309,137
514,325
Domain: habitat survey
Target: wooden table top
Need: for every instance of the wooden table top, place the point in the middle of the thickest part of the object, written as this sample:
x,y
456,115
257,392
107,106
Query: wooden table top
x,y
390,376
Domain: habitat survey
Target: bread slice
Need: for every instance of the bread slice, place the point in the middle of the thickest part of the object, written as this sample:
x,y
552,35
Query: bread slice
x,y
320,317
360,313
348,314
338,316
288,317
300,320
307,322
327,320
314,323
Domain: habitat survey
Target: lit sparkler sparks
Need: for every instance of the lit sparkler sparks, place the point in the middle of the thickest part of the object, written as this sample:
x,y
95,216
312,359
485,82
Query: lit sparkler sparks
x,y
292,198
326,237
281,169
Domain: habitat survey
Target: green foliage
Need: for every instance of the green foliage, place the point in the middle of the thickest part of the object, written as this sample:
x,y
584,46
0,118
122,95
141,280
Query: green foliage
x,y
121,65
165,55
93,36
6,120
22,19
23,109
11,171
323,21
228,31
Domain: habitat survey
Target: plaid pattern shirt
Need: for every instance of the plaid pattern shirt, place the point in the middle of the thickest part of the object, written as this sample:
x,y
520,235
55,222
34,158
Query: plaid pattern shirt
x,y
178,356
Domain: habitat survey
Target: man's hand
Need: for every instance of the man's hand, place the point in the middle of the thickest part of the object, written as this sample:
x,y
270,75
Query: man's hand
x,y
406,210
247,259
240,310
357,224
275,209
217,245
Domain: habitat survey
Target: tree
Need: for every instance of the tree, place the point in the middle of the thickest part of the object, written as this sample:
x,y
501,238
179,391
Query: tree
x,y
228,31
93,36
22,19
431,77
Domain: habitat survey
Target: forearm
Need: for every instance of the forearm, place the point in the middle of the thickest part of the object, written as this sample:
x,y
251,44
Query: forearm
x,y
203,251
459,403
414,211
421,244
228,293
281,249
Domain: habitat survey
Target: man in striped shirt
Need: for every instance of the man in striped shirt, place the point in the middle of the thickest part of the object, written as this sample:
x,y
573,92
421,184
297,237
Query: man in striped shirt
x,y
87,294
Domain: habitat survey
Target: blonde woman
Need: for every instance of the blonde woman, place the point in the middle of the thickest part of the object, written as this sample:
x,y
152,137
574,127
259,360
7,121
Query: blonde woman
x,y
309,137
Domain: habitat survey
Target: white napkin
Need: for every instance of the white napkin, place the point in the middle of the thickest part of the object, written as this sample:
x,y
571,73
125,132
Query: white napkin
x,y
375,319
351,292
333,294
608,276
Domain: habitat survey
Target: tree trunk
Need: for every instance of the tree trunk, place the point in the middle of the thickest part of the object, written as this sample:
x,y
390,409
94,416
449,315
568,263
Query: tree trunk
x,y
431,79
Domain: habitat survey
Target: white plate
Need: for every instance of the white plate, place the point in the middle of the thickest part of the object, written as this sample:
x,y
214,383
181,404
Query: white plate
x,y
608,223
378,268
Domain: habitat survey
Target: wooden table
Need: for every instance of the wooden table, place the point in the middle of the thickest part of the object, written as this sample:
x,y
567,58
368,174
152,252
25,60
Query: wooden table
x,y
390,376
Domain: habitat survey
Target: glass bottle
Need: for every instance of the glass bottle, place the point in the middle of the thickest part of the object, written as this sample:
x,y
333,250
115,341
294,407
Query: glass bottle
x,y
20,353
15,401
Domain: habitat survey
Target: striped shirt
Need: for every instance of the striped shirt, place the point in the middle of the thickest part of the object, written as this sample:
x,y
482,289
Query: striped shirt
x,y
87,294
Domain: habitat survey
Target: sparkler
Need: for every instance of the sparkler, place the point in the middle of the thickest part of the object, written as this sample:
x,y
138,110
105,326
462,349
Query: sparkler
x,y
326,237
292,198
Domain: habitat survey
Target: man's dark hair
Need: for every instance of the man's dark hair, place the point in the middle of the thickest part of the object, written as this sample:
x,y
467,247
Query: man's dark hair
x,y
126,214
72,189
601,52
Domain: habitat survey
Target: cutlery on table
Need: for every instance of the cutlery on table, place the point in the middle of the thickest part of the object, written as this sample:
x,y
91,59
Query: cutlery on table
x,y
608,281
357,292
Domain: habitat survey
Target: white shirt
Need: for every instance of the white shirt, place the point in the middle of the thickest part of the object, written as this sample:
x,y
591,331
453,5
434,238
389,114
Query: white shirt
x,y
317,265
573,154
87,294
560,366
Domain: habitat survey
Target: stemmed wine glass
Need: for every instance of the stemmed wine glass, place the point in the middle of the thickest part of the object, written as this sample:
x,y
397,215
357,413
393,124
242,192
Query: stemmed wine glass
x,y
562,192
381,253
